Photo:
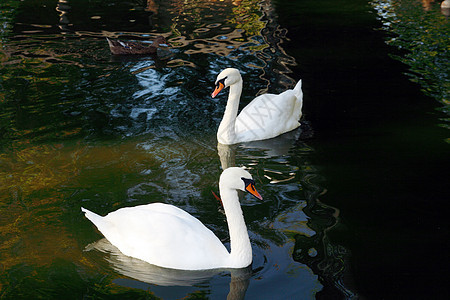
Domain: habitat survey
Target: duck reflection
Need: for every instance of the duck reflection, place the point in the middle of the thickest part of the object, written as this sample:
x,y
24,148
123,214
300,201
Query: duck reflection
x,y
143,63
146,273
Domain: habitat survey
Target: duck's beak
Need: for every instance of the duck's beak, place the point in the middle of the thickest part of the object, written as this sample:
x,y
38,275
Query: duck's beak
x,y
251,189
219,87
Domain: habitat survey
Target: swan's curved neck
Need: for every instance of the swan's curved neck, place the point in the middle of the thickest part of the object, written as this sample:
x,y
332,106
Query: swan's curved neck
x,y
241,249
226,132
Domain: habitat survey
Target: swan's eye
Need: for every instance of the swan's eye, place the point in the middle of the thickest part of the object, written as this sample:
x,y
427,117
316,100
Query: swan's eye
x,y
222,81
248,182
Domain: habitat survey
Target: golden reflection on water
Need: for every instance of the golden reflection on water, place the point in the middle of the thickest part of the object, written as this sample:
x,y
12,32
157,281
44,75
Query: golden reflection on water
x,y
30,205
35,168
30,182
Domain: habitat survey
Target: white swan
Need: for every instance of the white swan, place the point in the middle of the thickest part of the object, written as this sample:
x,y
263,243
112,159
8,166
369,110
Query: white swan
x,y
169,237
265,117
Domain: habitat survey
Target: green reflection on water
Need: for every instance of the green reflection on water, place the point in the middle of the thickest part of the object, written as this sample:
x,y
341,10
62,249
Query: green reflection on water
x,y
421,31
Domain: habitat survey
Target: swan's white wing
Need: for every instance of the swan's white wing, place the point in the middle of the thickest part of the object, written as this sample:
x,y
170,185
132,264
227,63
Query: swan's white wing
x,y
163,235
268,116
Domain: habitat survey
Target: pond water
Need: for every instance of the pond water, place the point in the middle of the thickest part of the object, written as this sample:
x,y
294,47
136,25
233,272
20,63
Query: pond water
x,y
352,199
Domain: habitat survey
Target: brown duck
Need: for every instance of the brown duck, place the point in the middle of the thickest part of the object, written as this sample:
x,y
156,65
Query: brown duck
x,y
119,47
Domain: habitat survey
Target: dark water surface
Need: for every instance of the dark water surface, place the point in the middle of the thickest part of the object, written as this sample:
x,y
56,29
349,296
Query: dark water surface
x,y
353,201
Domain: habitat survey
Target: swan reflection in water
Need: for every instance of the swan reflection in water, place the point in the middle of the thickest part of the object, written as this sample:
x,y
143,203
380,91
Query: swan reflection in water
x,y
274,147
144,272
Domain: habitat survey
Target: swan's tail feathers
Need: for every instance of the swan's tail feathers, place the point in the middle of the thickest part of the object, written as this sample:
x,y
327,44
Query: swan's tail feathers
x,y
93,217
298,90
299,103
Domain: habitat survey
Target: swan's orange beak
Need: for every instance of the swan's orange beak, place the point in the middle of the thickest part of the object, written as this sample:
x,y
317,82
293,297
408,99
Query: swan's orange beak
x,y
219,87
251,189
